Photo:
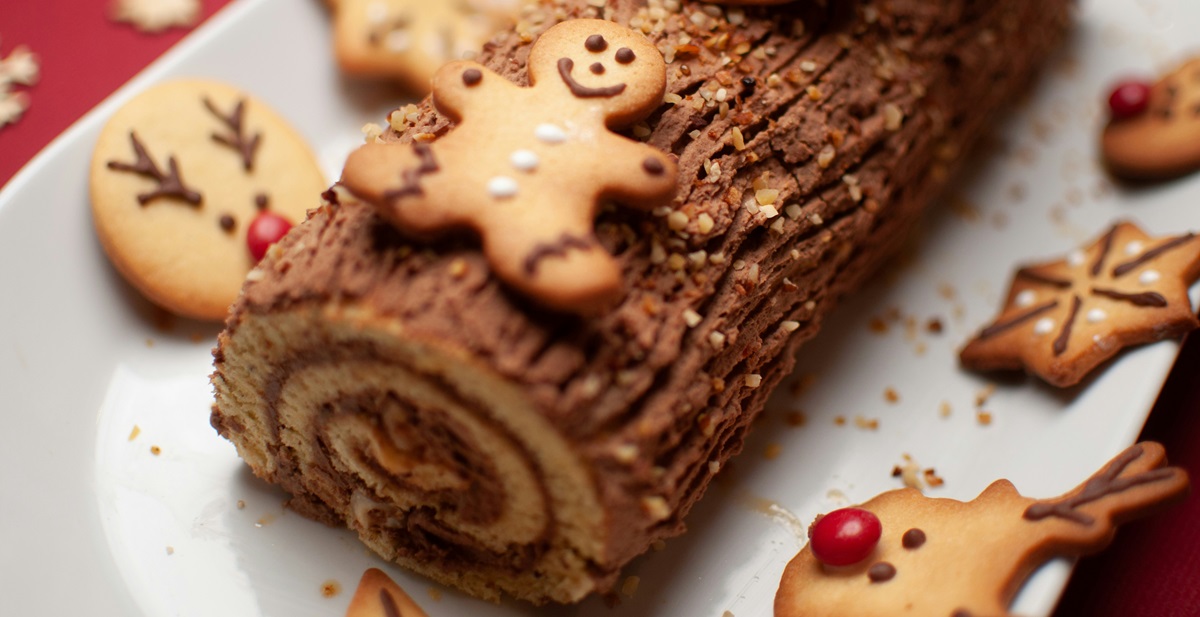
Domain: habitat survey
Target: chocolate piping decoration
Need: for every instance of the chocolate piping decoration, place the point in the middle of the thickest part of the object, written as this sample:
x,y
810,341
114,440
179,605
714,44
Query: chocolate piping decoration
x,y
1107,482
236,123
472,77
389,604
596,43
625,55
913,539
881,572
227,222
1105,247
261,201
1002,326
1148,298
566,65
1064,337
597,68
1030,275
169,185
559,248
1151,254
412,177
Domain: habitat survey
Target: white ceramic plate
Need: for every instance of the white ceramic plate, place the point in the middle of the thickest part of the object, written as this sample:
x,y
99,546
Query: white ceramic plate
x,y
93,523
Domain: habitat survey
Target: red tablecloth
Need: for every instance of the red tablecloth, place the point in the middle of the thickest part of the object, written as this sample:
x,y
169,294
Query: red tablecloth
x,y
1152,569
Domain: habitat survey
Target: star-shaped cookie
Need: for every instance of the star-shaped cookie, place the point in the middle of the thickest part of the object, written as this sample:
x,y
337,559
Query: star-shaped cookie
x,y
1064,318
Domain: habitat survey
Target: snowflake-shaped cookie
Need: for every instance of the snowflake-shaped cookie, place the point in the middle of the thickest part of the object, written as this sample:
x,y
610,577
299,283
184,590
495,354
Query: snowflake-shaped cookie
x,y
156,15
1064,318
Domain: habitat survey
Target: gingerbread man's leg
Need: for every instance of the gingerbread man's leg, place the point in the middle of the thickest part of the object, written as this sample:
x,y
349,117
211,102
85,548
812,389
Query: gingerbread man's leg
x,y
554,256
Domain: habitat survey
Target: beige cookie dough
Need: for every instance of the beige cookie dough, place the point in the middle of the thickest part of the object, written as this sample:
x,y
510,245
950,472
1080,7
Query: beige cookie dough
x,y
178,174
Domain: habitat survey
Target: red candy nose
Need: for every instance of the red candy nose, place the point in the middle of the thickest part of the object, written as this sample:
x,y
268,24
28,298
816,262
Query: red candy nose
x,y
844,537
1129,99
266,229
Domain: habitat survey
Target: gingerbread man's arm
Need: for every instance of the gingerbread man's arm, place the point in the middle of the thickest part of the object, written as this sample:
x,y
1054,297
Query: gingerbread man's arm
x,y
463,87
636,174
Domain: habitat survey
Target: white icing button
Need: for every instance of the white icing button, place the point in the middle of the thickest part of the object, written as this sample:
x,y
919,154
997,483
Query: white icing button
x,y
1096,315
1149,277
525,160
1075,258
1026,298
1043,326
501,187
1134,248
397,41
550,133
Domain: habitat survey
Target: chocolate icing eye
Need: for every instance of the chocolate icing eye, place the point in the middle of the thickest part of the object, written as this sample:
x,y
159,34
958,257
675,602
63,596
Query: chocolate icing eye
x,y
625,55
596,43
597,68
472,77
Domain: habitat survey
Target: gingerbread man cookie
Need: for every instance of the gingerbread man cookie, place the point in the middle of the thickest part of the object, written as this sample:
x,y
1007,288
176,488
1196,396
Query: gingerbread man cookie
x,y
1154,131
526,167
409,39
928,557
379,596
190,181
1064,318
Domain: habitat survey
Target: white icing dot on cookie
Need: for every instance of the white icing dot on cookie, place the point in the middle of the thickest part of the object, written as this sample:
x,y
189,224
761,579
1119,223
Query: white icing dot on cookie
x,y
1075,258
1096,315
550,133
501,187
1149,277
1134,248
1043,326
1026,298
397,41
525,160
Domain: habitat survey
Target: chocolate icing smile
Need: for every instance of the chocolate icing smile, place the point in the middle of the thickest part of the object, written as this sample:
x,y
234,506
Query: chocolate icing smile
x,y
566,65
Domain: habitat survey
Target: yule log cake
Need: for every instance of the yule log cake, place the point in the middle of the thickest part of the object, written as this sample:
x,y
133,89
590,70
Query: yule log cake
x,y
392,382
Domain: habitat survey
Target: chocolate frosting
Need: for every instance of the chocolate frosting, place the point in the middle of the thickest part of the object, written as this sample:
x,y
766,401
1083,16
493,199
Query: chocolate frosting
x,y
638,375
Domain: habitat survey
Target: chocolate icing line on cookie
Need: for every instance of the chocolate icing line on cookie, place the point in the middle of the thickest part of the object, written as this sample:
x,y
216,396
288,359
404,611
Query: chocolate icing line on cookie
x,y
1105,247
1107,482
1064,337
1030,275
1151,254
566,65
1003,326
169,185
236,123
412,177
1148,298
559,248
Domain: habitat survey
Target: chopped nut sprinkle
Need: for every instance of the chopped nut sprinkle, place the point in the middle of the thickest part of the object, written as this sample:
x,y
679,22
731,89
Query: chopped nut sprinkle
x,y
753,380
692,318
656,508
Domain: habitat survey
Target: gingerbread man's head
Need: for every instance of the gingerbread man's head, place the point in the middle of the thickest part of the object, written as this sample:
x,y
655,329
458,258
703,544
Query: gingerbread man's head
x,y
605,64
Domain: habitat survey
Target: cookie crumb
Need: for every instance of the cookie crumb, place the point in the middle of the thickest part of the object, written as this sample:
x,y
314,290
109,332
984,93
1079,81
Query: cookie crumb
x,y
984,418
802,384
867,424
133,433
330,588
944,409
241,504
630,586
20,67
935,326
772,451
890,395
982,396
155,450
877,325
795,419
435,594
839,421
932,478
170,550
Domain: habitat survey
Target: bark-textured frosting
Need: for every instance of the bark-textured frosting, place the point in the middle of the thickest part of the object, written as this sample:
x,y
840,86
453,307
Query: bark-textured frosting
x,y
810,136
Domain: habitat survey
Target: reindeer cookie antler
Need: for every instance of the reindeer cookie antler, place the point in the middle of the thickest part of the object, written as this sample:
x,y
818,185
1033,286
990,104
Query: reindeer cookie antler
x,y
946,558
525,168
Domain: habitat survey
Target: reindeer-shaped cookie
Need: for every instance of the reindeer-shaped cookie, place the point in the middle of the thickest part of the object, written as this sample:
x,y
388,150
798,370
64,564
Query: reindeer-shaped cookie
x,y
946,558
525,168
